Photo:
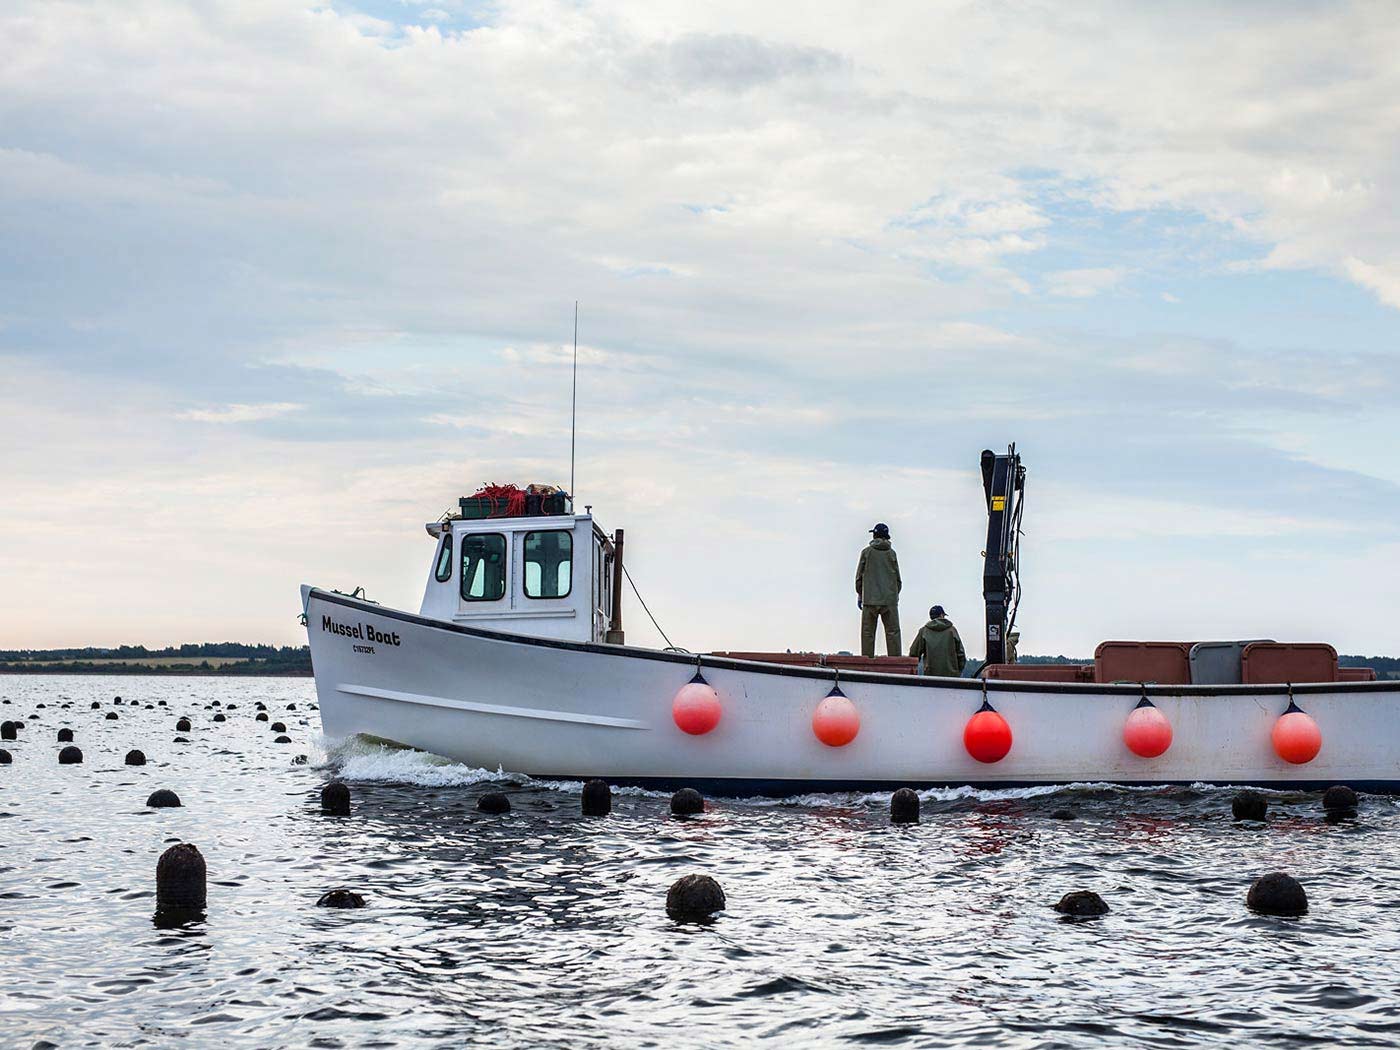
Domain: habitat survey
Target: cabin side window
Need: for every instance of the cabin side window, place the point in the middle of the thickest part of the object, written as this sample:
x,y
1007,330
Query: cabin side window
x,y
443,573
549,564
483,567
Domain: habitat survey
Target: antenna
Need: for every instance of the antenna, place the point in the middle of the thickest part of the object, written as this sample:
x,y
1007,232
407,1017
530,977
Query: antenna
x,y
573,417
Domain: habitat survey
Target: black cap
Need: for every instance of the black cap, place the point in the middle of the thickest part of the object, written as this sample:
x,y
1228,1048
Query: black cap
x,y
936,612
881,530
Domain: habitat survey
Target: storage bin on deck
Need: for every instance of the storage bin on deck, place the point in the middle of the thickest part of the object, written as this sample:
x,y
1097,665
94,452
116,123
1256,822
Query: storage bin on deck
x,y
1166,663
1270,663
1356,674
1218,663
791,659
877,664
1040,672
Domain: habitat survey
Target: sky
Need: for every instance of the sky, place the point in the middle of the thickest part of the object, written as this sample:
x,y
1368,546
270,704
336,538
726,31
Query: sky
x,y
280,281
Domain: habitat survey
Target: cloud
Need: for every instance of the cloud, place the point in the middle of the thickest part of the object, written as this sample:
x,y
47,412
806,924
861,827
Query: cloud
x,y
1384,283
823,261
239,413
735,62
1083,284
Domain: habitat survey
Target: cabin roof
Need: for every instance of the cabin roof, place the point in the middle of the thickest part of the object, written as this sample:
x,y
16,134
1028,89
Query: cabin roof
x,y
519,523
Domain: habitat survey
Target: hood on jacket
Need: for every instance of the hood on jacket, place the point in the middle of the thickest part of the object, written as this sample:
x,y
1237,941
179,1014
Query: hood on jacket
x,y
940,624
881,544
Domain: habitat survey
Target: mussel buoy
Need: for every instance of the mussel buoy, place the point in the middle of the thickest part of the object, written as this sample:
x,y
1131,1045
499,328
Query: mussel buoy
x,y
987,736
1147,731
696,708
1296,737
836,720
694,898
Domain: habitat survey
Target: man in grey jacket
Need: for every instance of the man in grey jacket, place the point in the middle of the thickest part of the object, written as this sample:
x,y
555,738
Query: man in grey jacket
x,y
877,592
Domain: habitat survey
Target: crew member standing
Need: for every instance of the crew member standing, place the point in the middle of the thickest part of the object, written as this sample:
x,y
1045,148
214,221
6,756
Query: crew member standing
x,y
940,646
877,592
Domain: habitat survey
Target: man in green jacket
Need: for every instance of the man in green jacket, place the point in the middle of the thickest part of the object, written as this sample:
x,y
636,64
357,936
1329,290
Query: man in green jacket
x,y
940,646
877,592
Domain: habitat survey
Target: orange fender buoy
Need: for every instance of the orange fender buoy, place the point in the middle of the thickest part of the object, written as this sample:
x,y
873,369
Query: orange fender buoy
x,y
987,736
1147,731
696,708
1296,736
836,720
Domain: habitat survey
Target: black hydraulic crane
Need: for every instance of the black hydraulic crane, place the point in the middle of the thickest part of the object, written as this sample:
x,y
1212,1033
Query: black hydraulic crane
x,y
1004,481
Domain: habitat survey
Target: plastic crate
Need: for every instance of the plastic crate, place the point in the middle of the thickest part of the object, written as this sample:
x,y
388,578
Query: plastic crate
x,y
536,506
1356,674
790,659
1166,663
1273,663
1218,663
1040,672
877,664
473,507
555,503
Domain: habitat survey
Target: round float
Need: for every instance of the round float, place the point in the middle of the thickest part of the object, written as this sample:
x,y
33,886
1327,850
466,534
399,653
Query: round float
x,y
696,708
987,736
836,720
1147,733
1296,737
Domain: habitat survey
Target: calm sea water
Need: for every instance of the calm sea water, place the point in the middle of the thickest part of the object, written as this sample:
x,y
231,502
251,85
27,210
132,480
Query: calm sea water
x,y
543,928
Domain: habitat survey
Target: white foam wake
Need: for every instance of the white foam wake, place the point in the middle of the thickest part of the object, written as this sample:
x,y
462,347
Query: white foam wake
x,y
365,759
359,758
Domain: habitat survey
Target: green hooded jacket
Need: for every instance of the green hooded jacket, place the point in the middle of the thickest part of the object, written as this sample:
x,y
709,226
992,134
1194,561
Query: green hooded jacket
x,y
877,575
941,647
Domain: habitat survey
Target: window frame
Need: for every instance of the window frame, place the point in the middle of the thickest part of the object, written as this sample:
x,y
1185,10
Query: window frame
x,y
444,556
525,563
505,573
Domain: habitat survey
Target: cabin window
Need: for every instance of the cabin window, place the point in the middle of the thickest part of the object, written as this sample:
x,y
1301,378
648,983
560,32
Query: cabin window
x,y
549,564
443,573
483,567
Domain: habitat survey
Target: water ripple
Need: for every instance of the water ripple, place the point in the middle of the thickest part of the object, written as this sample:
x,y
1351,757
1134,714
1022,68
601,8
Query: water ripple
x,y
542,928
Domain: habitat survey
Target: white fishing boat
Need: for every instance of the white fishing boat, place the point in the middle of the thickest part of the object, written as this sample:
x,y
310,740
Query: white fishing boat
x,y
516,661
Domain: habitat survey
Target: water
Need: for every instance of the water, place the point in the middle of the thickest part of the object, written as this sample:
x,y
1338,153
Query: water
x,y
545,929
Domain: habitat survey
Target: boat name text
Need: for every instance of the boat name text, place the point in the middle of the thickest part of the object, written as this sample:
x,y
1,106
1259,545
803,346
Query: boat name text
x,y
359,630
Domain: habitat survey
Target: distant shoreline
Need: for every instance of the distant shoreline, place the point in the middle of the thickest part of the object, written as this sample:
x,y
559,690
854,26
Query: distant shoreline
x,y
149,671
198,660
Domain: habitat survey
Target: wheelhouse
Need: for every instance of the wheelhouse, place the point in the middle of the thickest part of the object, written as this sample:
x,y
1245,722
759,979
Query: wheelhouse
x,y
547,575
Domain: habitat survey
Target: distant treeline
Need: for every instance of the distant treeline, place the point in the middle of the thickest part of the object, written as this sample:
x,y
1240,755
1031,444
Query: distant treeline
x,y
203,658
140,652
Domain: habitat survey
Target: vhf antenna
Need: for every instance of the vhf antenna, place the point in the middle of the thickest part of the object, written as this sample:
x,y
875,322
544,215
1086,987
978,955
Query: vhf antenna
x,y
573,418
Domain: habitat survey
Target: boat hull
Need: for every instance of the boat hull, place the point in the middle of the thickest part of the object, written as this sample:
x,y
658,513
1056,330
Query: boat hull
x,y
553,709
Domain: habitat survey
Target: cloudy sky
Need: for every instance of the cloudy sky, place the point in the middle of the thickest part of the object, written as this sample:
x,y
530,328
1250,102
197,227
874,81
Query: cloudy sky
x,y
279,281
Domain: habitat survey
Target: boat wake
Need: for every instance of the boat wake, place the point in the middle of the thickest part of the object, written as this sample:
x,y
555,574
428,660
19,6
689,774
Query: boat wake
x,y
369,759
361,758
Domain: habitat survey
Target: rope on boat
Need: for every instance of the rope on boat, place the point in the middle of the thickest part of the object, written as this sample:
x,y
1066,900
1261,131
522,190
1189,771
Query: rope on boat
x,y
669,643
358,592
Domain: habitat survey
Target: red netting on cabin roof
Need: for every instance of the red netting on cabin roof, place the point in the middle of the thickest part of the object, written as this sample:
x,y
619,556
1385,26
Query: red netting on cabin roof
x,y
508,501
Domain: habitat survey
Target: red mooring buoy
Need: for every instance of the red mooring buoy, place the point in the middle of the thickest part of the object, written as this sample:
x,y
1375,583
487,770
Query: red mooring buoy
x,y
696,708
1296,737
987,736
836,720
1147,731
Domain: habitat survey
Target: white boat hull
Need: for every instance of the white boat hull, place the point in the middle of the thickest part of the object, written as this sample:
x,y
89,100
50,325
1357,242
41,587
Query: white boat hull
x,y
573,710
